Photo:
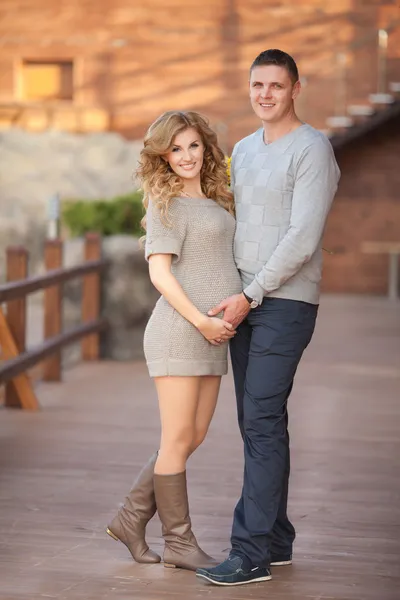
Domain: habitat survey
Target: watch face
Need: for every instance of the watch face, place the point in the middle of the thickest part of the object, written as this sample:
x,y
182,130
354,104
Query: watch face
x,y
253,304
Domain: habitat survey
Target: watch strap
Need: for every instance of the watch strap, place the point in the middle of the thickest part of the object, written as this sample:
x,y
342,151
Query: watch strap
x,y
249,300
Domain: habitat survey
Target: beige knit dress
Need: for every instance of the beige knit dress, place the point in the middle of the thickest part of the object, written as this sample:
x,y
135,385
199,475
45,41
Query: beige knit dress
x,y
199,234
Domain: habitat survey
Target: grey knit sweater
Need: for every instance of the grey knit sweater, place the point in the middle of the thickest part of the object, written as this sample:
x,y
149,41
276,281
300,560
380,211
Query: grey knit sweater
x,y
283,193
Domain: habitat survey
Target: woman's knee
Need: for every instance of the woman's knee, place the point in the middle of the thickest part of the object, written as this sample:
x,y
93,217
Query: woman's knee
x,y
198,439
180,443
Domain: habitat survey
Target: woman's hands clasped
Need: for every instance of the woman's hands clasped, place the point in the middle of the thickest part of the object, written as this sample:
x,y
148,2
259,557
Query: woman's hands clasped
x,y
215,330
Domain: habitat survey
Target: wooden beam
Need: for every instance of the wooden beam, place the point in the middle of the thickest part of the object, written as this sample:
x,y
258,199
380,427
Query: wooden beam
x,y
10,291
17,364
26,395
17,268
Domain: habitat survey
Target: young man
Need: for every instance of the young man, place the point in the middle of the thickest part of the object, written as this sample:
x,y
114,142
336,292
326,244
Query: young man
x,y
284,178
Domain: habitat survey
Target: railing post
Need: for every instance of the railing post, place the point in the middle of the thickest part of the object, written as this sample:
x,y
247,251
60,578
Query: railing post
x,y
91,297
17,268
53,258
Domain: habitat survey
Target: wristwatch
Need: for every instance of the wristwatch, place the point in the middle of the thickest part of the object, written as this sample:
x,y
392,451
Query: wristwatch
x,y
253,303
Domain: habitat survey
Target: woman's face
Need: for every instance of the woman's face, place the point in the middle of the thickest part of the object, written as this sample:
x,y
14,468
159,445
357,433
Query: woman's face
x,y
186,154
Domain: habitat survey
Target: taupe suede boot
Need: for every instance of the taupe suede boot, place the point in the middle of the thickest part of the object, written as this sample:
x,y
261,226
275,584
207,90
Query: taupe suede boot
x,y
129,525
181,548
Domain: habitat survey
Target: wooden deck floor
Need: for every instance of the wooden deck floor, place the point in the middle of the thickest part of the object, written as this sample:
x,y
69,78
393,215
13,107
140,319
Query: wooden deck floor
x,y
64,470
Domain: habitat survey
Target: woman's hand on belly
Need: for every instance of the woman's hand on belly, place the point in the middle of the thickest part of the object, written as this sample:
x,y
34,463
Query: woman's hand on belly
x,y
215,330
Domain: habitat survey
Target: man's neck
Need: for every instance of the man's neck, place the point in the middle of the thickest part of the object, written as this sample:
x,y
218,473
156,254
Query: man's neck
x,y
274,131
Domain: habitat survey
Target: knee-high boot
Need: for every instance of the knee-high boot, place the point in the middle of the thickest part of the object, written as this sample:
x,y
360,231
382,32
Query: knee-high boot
x,y
129,525
181,547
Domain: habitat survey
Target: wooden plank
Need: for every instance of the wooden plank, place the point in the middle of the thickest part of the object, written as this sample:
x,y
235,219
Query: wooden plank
x,y
53,258
17,269
91,297
65,471
380,247
26,396
10,291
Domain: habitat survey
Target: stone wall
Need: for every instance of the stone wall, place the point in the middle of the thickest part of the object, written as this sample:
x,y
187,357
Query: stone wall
x,y
36,166
128,298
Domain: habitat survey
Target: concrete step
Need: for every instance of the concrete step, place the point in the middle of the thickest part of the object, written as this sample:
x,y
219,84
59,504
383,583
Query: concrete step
x,y
381,98
360,110
339,122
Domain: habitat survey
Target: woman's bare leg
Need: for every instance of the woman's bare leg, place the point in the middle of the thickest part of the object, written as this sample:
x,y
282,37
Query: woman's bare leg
x,y
187,405
178,399
208,396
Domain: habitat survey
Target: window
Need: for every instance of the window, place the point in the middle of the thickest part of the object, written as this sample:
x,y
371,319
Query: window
x,y
47,80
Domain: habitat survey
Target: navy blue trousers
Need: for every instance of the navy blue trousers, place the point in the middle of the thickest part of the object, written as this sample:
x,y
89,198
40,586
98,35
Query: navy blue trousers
x,y
265,354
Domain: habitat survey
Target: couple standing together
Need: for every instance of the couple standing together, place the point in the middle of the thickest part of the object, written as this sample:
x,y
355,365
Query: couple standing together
x,y
252,281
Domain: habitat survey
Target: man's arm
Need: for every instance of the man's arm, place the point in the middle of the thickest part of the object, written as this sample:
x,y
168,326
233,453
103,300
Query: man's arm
x,y
315,186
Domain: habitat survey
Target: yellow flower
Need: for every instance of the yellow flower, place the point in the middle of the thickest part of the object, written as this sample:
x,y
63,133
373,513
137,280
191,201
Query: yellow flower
x,y
228,160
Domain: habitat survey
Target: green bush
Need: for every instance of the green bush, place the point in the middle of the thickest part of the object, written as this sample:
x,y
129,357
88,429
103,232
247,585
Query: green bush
x,y
119,215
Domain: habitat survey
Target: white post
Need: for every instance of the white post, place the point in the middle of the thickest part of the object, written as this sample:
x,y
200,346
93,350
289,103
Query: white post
x,y
53,216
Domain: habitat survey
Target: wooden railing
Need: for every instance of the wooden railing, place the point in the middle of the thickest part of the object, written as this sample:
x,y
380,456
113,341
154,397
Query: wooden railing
x,y
18,388
392,249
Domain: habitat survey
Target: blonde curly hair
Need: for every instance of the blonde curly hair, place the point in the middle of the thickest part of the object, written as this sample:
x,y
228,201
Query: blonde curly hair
x,y
161,183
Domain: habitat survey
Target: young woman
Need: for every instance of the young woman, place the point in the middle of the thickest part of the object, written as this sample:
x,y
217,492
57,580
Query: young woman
x,y
189,246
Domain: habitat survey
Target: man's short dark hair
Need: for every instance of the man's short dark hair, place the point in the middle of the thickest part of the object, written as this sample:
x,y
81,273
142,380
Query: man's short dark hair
x,y
279,58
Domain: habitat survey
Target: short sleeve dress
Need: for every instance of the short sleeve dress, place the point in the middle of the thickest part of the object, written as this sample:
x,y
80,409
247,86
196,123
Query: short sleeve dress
x,y
199,234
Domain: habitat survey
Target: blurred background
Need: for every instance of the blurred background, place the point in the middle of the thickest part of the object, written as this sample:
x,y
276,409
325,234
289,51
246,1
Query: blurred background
x,y
81,80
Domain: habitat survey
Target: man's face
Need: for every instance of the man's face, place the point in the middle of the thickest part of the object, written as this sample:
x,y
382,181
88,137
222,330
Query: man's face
x,y
272,92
